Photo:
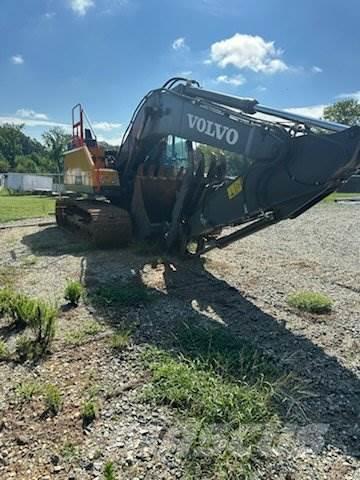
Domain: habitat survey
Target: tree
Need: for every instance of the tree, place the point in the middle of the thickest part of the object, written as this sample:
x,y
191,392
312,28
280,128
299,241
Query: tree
x,y
4,165
345,111
26,164
34,163
55,141
10,142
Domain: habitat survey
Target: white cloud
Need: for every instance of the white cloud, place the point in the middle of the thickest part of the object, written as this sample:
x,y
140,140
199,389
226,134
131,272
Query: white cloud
x,y
115,141
247,52
24,113
110,7
179,43
106,126
316,69
17,59
314,111
80,7
31,122
110,132
354,95
261,88
186,73
235,80
49,15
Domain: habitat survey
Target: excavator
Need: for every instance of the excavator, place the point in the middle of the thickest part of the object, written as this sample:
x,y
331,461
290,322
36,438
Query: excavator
x,y
262,166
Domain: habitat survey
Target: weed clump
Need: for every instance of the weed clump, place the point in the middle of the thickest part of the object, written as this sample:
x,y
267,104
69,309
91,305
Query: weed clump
x,y
109,471
88,412
51,394
27,390
73,292
52,398
4,351
120,340
311,302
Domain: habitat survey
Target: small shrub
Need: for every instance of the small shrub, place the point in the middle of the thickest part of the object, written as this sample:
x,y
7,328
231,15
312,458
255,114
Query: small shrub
x,y
43,323
109,471
88,412
22,310
40,317
120,340
312,302
27,390
4,351
73,292
52,399
29,312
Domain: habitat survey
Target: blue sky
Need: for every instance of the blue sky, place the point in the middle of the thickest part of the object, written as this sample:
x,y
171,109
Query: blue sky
x,y
108,53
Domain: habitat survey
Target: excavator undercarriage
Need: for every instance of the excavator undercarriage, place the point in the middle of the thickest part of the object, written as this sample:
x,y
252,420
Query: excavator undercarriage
x,y
160,184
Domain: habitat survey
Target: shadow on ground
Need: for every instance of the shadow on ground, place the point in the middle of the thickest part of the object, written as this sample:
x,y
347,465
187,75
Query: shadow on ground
x,y
333,391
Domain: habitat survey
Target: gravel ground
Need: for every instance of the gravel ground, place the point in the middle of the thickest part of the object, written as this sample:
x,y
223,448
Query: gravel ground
x,y
244,287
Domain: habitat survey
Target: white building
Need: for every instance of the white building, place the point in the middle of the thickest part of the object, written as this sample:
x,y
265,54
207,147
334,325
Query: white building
x,y
28,182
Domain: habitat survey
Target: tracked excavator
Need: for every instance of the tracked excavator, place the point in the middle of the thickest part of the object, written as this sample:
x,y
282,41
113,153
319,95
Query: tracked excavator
x,y
265,165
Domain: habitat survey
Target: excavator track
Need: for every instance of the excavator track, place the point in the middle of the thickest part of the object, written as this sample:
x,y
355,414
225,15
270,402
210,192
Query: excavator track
x,y
106,225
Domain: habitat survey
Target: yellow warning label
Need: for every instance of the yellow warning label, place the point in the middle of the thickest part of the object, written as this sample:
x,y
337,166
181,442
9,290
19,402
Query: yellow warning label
x,y
235,188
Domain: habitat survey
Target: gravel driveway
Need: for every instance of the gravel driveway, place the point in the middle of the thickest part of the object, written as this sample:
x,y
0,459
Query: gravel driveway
x,y
245,287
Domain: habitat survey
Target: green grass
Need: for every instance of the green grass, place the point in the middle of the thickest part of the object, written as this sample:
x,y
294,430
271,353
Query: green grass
x,y
125,294
195,388
79,335
311,302
340,196
13,207
227,392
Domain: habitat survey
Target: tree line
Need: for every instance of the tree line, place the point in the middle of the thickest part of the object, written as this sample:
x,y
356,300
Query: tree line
x,y
23,154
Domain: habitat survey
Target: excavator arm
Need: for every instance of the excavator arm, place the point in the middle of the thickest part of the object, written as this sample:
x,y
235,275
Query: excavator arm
x,y
294,161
